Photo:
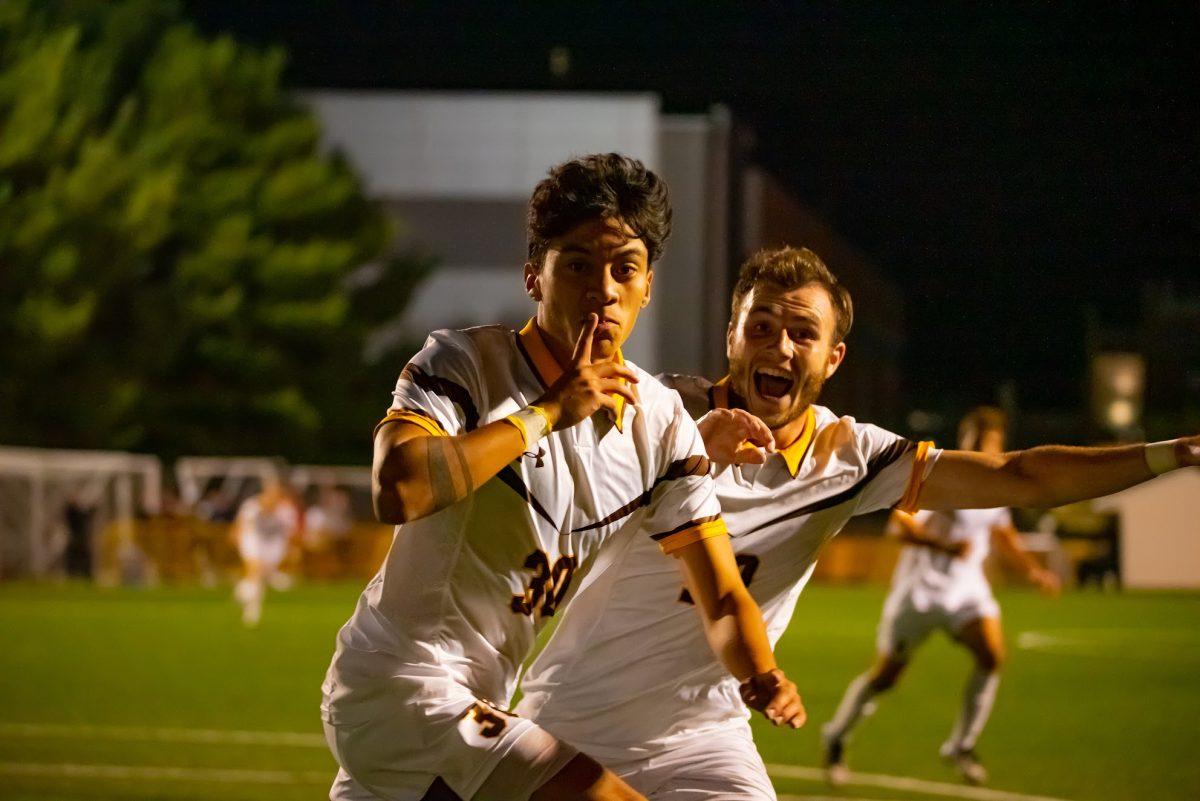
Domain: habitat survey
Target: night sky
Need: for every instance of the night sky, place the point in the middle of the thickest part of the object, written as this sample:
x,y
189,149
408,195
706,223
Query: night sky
x,y
1009,167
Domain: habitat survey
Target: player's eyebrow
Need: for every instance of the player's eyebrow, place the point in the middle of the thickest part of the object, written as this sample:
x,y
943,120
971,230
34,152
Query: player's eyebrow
x,y
629,248
764,307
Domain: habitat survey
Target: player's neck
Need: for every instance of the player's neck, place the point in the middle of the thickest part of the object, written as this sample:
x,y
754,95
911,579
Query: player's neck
x,y
790,431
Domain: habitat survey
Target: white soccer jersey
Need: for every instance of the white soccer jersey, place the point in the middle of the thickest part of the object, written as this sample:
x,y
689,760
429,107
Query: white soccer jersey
x,y
454,610
263,535
278,523
927,577
628,670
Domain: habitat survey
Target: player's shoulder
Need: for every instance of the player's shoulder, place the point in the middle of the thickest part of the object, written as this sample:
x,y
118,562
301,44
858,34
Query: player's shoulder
x,y
695,392
843,434
651,391
458,353
480,340
659,404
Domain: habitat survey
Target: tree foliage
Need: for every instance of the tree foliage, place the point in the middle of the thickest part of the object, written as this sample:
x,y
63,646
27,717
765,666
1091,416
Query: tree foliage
x,y
181,267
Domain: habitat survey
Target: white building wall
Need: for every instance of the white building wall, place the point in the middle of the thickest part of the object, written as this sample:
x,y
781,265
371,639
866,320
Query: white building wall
x,y
1160,531
440,147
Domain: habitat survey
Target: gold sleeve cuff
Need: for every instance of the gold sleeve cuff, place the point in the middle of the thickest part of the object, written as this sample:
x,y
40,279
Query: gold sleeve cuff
x,y
691,532
433,427
909,502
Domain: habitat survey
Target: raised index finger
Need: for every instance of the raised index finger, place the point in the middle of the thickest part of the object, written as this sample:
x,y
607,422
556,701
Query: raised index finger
x,y
583,346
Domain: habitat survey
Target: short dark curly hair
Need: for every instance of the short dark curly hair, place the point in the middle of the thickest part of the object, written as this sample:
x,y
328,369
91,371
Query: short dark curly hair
x,y
599,185
791,268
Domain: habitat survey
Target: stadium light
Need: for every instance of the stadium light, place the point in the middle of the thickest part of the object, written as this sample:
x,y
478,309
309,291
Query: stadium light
x,y
1118,384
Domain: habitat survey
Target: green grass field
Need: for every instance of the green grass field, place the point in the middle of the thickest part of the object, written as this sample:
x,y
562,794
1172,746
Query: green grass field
x,y
161,694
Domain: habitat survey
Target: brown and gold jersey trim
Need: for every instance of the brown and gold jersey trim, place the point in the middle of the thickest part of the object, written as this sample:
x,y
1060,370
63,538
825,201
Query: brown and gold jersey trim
x,y
721,397
547,369
696,465
794,453
718,394
911,499
436,385
692,531
875,465
420,419
537,354
513,480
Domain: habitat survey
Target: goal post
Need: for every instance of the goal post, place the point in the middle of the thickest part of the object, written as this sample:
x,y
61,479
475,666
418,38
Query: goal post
x,y
40,491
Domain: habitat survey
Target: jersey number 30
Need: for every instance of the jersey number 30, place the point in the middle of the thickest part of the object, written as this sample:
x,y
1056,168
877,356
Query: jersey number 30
x,y
548,586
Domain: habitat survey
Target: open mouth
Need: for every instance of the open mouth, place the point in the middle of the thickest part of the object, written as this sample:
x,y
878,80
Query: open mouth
x,y
772,383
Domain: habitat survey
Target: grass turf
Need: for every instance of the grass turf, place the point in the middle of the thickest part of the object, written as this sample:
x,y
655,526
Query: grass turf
x,y
1103,704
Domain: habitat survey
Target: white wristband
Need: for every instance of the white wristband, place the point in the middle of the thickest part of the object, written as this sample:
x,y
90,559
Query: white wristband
x,y
1160,457
533,424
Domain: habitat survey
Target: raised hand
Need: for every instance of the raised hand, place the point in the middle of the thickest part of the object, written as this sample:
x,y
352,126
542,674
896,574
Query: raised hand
x,y
584,387
773,694
734,436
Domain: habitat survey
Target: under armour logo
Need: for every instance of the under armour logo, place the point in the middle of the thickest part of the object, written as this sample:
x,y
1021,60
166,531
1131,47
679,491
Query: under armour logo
x,y
537,457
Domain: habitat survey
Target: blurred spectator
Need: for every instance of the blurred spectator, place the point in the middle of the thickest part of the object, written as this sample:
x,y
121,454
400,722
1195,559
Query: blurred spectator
x,y
80,518
327,525
215,505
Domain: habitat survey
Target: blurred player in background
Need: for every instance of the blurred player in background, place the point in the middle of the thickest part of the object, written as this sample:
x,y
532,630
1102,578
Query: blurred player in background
x,y
939,583
265,530
626,676
510,460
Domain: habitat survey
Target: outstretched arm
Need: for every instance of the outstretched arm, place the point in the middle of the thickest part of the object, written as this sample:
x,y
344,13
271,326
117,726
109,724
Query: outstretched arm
x,y
735,630
1051,475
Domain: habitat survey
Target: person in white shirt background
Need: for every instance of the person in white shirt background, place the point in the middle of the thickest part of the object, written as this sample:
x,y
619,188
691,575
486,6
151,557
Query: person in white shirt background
x,y
265,529
939,583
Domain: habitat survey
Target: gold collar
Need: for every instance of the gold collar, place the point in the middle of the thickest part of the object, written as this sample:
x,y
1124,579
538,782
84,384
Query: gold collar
x,y
793,453
547,368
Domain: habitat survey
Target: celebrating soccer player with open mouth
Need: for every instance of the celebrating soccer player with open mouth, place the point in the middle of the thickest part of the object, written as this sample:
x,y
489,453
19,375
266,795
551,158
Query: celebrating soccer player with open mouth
x,y
626,678
511,462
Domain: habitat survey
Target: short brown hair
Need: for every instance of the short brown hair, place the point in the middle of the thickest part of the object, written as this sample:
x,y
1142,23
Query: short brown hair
x,y
596,186
981,419
792,268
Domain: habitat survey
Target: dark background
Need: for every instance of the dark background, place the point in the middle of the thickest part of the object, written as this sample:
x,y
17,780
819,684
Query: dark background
x,y
1014,168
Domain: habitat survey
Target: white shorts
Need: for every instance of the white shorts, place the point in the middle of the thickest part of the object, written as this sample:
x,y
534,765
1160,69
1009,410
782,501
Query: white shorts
x,y
904,626
267,551
481,750
715,765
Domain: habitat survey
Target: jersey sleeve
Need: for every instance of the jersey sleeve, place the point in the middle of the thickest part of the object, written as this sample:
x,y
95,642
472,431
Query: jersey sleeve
x,y
440,389
683,505
896,469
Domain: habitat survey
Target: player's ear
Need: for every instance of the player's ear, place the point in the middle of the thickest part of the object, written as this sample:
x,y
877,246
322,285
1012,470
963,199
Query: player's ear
x,y
649,283
533,282
837,354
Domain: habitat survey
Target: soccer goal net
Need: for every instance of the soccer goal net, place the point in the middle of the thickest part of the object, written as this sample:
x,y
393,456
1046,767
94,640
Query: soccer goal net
x,y
60,509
